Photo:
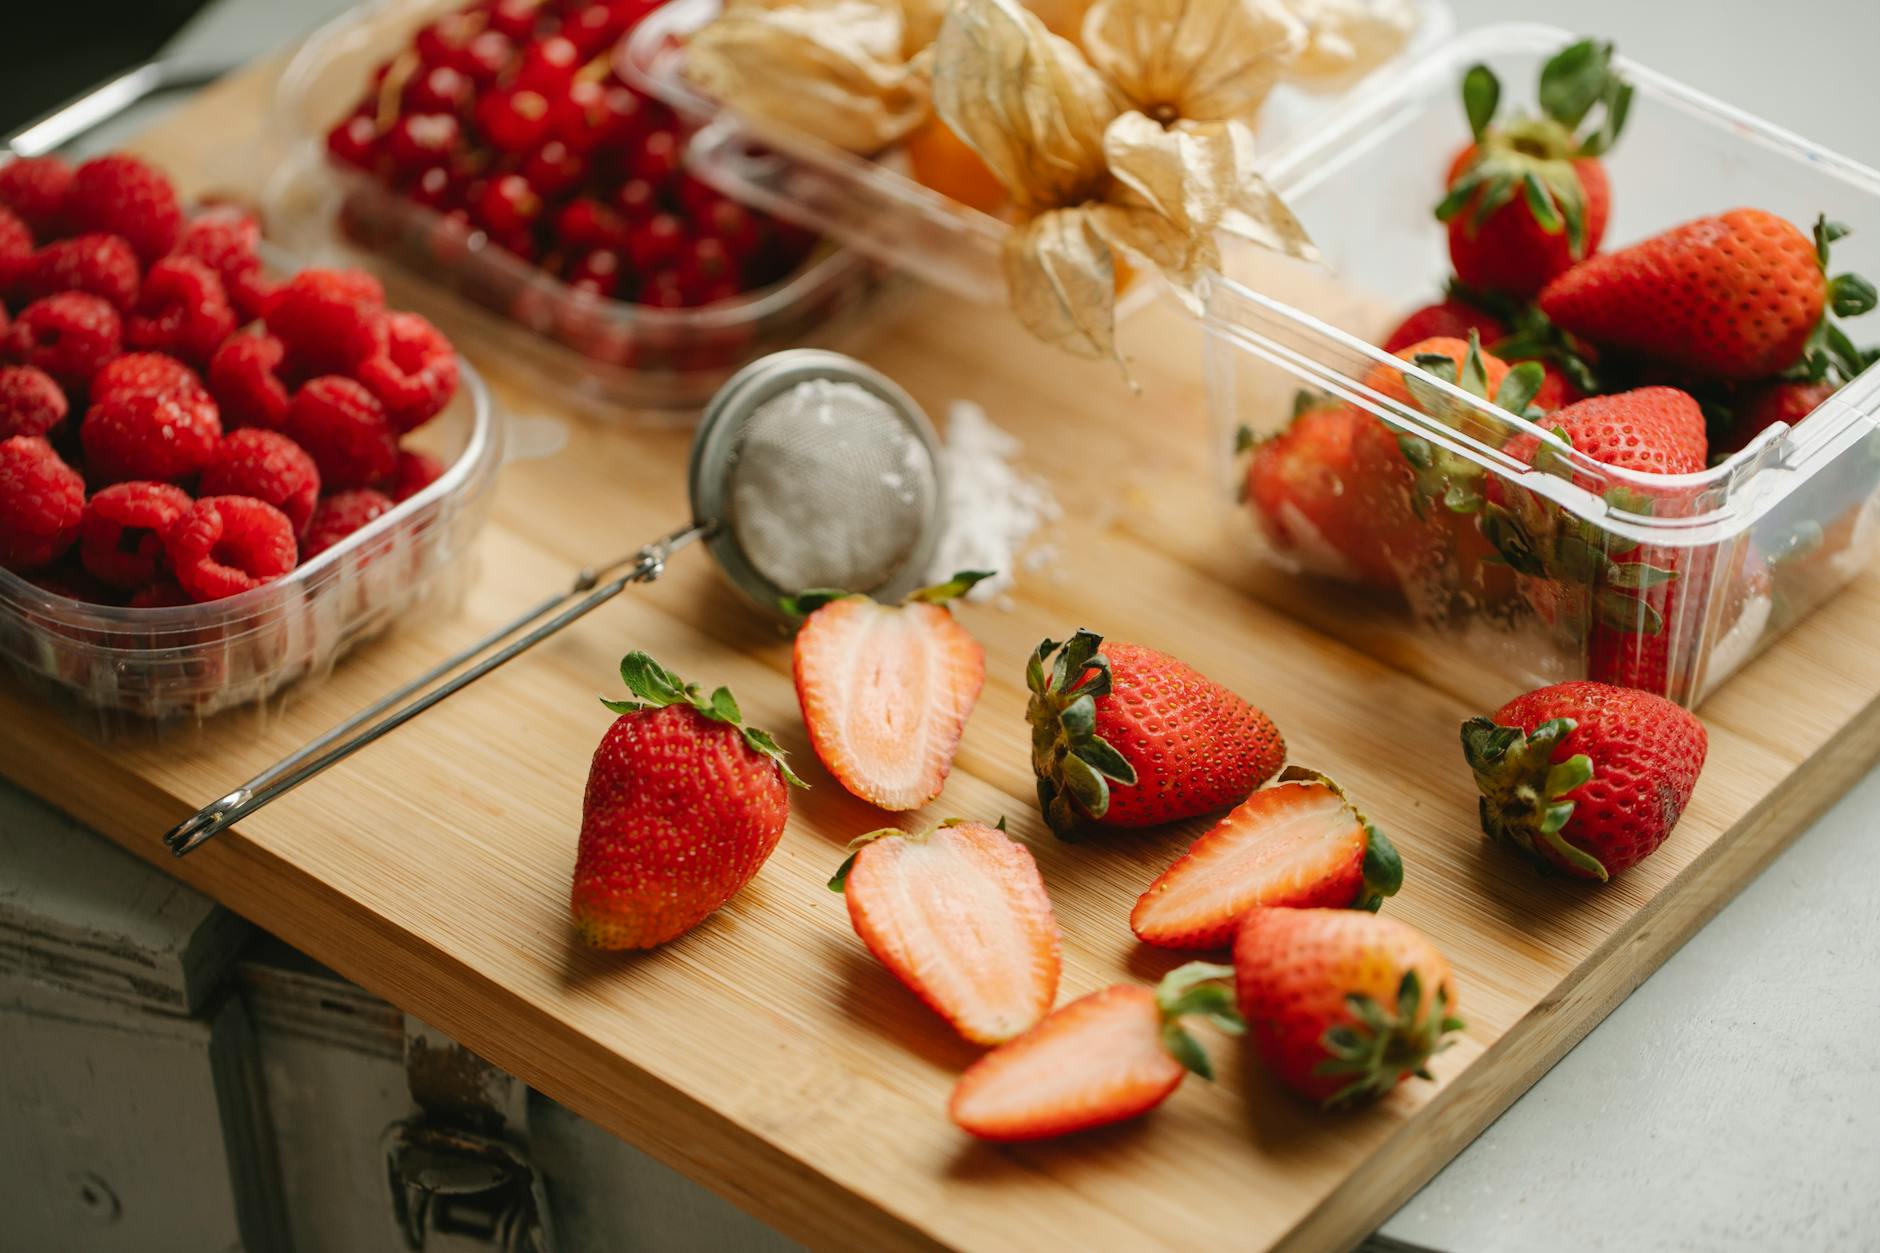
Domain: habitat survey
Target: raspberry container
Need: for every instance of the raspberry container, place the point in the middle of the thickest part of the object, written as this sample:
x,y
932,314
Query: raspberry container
x,y
608,357
874,206
128,671
1666,582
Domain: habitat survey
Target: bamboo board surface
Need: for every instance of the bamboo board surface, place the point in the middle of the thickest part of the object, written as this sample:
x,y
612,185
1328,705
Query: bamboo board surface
x,y
765,1053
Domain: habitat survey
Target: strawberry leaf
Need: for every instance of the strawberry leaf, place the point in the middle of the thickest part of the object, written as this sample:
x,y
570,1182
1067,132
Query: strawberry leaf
x,y
1575,80
952,589
808,601
1540,203
1481,93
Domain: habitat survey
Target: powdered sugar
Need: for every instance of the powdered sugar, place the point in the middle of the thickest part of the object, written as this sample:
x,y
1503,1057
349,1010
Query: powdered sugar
x,y
993,508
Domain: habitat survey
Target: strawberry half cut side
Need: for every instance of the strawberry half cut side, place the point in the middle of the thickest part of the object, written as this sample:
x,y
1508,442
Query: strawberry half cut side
x,y
1106,1057
1299,843
960,915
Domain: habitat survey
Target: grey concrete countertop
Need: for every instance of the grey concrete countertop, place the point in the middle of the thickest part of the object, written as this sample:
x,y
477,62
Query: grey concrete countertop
x,y
1733,1102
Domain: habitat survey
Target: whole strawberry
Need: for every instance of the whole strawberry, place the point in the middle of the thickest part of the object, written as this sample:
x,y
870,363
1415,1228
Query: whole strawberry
x,y
1585,777
1321,506
1741,295
1783,400
1452,317
1125,736
1529,197
1340,1004
684,803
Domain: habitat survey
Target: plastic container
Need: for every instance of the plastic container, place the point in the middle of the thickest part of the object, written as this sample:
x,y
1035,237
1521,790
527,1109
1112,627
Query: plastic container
x,y
609,357
124,670
873,205
1666,582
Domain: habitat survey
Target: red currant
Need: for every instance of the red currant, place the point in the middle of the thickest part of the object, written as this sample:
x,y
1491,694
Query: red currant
x,y
509,205
585,223
637,200
513,121
548,65
438,89
355,141
486,57
418,141
554,169
656,243
658,159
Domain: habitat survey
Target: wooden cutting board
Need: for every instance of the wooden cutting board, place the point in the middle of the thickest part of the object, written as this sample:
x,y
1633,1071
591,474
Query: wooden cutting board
x,y
765,1053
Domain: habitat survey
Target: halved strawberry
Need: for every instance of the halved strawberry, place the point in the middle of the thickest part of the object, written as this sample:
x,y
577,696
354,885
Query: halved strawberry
x,y
960,915
886,689
1108,1056
1300,843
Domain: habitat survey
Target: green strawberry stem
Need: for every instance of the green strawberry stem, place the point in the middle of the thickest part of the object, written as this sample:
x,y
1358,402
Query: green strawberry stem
x,y
1196,989
1075,766
1829,350
808,601
1382,1043
1525,793
655,687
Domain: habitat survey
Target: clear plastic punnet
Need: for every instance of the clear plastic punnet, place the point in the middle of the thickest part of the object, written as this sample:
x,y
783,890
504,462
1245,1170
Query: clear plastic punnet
x,y
611,358
875,206
1550,565
123,670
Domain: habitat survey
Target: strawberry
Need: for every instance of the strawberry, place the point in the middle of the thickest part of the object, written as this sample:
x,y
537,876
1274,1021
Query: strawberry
x,y
1300,843
1452,317
1340,1004
1783,400
1316,502
1112,1055
1482,376
684,804
1651,430
1737,296
886,689
1125,736
1528,198
1585,777
960,915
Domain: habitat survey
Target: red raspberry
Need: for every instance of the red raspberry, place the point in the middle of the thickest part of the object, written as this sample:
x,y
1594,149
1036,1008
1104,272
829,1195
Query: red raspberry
x,y
103,265
329,320
31,403
121,537
342,513
147,435
35,189
144,372
123,196
228,241
41,502
163,594
416,471
345,431
183,310
16,249
69,336
267,466
244,377
416,375
228,544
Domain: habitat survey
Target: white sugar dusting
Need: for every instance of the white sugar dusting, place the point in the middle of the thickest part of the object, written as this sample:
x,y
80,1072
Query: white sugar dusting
x,y
993,508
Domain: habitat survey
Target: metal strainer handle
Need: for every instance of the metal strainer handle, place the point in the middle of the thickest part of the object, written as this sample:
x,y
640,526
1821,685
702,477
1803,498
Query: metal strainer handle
x,y
388,713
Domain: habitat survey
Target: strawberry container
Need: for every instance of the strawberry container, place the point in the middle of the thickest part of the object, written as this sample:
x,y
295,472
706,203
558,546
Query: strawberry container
x,y
122,670
1666,582
608,357
874,206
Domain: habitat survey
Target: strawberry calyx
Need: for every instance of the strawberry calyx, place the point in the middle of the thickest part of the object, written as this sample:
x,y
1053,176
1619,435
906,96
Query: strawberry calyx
x,y
808,601
655,687
1533,156
1196,989
1525,792
1440,475
1383,865
1383,1043
1075,766
839,881
1829,351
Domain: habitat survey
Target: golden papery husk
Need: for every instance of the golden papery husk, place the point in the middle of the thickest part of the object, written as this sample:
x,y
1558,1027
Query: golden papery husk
x,y
1025,100
1347,39
1201,60
847,72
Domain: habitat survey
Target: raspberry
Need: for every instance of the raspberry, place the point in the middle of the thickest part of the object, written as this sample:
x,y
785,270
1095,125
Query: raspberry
x,y
121,537
267,466
41,502
31,403
228,544
228,242
69,336
344,429
35,189
330,320
103,265
342,513
163,594
16,249
147,435
416,375
184,310
416,471
244,377
123,196
144,372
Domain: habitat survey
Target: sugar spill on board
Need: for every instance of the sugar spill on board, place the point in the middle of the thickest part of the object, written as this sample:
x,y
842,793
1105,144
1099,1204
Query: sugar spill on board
x,y
994,509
